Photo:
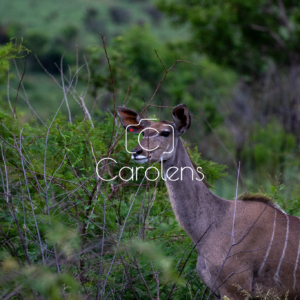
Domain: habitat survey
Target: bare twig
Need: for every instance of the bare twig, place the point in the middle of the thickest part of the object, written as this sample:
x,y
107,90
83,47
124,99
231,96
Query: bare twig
x,y
129,85
14,110
63,88
163,78
196,244
273,34
113,87
235,202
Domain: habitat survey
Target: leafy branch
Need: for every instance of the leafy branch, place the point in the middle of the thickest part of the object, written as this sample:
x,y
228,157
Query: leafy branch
x,y
11,50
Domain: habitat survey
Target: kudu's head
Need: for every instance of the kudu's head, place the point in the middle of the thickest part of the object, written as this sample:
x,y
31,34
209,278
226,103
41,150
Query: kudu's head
x,y
159,138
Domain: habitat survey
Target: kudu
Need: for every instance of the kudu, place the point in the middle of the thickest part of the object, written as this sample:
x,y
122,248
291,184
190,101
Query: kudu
x,y
247,244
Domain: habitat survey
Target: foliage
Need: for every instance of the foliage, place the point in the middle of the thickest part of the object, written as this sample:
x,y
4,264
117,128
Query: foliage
x,y
9,51
12,50
212,170
60,27
271,294
66,233
133,60
244,35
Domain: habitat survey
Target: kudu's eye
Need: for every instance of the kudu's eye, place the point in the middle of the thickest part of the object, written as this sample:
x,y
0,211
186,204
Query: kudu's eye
x,y
165,133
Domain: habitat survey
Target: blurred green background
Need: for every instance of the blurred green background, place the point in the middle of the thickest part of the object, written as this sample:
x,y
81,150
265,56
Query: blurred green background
x,y
242,88
245,83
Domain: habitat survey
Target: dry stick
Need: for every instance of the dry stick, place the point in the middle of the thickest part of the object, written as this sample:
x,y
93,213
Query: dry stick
x,y
102,248
104,284
48,130
116,141
150,206
160,60
113,87
128,276
273,34
24,158
14,110
14,292
239,272
235,244
8,99
23,242
82,105
172,108
232,235
7,240
65,93
97,190
22,85
51,177
141,231
24,219
46,71
182,257
89,76
72,192
162,106
11,247
235,202
63,87
31,108
203,294
143,279
284,17
156,279
60,165
33,213
46,193
163,78
70,163
26,98
174,285
129,84
80,278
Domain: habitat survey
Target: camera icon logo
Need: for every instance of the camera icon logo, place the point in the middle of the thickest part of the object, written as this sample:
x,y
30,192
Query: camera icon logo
x,y
132,125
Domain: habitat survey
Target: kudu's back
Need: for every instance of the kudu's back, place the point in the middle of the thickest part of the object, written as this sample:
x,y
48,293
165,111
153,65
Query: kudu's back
x,y
261,256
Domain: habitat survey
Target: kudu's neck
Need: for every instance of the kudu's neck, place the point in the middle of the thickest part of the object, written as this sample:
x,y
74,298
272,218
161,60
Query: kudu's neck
x,y
195,207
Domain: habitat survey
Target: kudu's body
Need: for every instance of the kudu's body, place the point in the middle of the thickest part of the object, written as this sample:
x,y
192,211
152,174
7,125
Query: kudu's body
x,y
250,245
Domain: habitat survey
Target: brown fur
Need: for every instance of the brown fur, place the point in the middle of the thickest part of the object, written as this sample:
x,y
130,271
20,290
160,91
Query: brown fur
x,y
249,243
259,198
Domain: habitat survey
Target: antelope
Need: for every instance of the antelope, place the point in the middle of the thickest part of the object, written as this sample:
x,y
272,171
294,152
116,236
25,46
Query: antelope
x,y
248,244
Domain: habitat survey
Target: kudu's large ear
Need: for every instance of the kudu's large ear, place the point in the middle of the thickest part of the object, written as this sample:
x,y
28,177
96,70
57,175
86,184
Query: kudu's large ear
x,y
182,118
130,117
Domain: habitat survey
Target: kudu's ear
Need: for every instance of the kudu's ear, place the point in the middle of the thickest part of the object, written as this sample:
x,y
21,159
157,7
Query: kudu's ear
x,y
182,118
130,117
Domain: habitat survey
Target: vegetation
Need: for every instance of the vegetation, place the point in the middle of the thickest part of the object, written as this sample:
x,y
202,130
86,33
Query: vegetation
x,y
66,233
245,35
10,51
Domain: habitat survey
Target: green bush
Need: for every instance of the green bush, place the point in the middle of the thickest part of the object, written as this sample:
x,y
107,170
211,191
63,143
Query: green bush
x,y
68,234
